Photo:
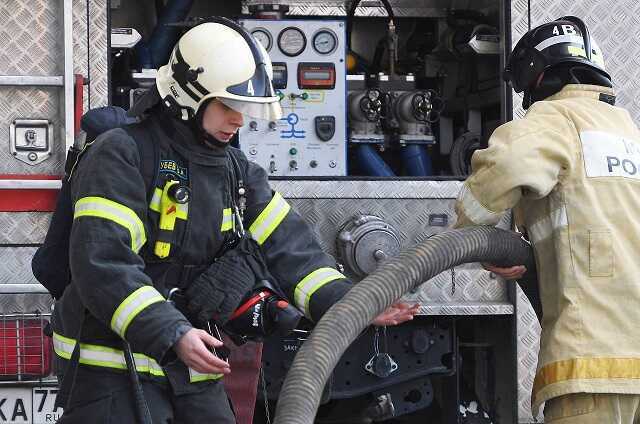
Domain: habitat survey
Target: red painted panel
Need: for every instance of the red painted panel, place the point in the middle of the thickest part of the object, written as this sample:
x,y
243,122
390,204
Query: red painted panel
x,y
28,200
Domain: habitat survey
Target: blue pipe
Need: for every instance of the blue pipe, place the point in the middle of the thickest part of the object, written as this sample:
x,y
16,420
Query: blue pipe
x,y
416,160
371,163
155,52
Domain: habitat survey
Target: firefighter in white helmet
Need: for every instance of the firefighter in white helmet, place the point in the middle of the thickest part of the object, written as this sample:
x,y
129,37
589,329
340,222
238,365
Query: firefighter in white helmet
x,y
570,169
137,236
214,61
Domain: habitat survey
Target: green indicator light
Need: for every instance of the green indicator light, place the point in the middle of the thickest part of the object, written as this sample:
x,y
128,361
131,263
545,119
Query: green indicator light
x,y
293,151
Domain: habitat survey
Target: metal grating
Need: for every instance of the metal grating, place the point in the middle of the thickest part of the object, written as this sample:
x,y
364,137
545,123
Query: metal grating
x,y
25,351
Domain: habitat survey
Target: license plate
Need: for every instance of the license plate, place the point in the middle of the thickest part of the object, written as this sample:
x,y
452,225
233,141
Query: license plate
x,y
28,405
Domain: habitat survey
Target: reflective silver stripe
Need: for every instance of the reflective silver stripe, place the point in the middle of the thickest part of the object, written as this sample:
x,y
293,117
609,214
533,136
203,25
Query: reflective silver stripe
x,y
559,39
102,356
310,284
545,227
108,209
269,219
154,205
474,210
195,376
135,303
182,211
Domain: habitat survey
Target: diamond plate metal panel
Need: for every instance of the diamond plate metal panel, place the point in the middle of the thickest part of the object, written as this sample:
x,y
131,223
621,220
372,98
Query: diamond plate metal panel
x,y
90,44
469,308
16,265
31,36
98,52
80,44
31,33
401,8
407,206
25,303
367,189
23,227
31,103
528,345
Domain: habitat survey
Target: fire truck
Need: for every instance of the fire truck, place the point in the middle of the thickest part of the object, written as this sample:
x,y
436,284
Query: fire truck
x,y
384,103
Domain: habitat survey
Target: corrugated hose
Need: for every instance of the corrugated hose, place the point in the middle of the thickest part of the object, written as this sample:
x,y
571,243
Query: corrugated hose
x,y
300,396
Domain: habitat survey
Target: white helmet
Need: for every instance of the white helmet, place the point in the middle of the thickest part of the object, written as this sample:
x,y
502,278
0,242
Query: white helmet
x,y
219,59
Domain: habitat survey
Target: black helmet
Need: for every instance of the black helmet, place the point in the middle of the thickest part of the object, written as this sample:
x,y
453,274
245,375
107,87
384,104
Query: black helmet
x,y
561,42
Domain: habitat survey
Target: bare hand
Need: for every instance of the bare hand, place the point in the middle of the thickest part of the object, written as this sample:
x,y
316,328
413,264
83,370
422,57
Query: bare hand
x,y
396,314
511,273
192,350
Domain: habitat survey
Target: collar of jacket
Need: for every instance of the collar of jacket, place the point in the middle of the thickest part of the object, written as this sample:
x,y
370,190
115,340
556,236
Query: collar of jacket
x,y
182,137
582,90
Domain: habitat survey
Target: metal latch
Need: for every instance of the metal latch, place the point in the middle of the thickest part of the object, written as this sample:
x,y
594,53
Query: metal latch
x,y
31,140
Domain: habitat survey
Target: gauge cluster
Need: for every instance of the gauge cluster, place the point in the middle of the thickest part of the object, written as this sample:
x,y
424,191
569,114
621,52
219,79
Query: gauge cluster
x,y
309,75
292,40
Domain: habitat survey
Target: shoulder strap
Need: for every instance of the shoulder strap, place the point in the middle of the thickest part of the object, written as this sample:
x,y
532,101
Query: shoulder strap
x,y
238,182
149,155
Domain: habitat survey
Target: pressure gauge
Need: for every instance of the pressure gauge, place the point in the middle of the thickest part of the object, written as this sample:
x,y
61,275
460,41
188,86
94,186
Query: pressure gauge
x,y
292,41
264,37
325,41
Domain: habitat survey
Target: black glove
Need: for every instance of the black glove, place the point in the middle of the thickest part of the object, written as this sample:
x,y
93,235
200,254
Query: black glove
x,y
216,293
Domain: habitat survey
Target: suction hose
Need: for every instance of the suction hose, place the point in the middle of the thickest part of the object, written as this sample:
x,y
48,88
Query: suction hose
x,y
305,381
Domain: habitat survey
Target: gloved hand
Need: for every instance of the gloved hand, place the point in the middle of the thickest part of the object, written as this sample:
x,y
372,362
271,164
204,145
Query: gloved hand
x,y
219,290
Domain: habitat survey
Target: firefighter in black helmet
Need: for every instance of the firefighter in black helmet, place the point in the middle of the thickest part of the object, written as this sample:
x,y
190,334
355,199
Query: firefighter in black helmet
x,y
568,169
132,246
553,55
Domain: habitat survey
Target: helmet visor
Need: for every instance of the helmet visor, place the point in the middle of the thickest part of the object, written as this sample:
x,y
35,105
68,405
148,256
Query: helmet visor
x,y
266,111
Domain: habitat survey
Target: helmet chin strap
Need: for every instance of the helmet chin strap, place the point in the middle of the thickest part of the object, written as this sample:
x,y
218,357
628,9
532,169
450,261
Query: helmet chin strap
x,y
213,142
555,79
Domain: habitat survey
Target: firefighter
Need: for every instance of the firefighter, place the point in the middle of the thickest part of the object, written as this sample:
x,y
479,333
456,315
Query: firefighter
x,y
130,247
569,169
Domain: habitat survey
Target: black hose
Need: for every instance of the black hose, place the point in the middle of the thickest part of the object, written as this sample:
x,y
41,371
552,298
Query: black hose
x,y
139,402
303,386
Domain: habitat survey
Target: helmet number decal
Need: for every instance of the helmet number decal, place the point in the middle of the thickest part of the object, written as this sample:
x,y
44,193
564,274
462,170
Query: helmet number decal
x,y
250,89
566,30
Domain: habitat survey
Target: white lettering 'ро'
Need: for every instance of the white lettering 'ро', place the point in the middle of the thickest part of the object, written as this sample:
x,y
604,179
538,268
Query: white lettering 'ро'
x,y
610,155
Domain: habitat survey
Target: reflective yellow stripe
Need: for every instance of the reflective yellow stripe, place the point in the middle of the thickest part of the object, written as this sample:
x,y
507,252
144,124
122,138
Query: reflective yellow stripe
x,y
154,205
101,356
195,376
182,210
269,219
108,209
135,303
586,368
227,220
310,284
